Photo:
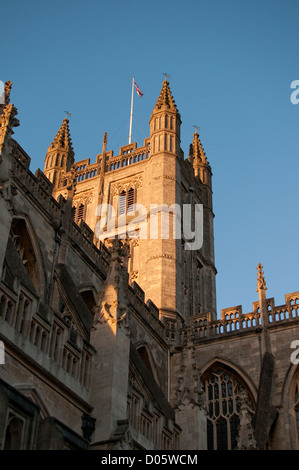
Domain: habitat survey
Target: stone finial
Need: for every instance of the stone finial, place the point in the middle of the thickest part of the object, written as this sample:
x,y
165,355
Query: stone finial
x,y
7,88
105,141
261,283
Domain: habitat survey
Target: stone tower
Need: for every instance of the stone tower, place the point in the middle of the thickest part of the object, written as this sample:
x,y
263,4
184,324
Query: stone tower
x,y
87,360
163,258
143,194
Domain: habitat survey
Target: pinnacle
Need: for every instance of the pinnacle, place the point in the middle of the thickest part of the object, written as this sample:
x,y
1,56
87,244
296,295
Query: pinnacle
x,y
261,283
165,97
198,151
63,138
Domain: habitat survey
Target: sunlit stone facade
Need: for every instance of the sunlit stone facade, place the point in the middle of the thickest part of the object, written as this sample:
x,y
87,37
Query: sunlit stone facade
x,y
115,342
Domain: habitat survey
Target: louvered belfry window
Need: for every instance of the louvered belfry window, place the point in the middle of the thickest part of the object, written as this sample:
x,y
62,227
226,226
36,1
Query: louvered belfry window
x,y
122,201
130,200
126,200
80,214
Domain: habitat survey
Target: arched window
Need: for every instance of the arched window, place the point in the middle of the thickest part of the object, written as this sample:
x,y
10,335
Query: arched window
x,y
126,201
171,122
122,199
22,241
130,202
13,435
89,299
144,355
171,143
223,390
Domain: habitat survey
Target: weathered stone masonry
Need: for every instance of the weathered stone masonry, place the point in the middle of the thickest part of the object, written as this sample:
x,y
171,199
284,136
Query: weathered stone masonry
x,y
116,344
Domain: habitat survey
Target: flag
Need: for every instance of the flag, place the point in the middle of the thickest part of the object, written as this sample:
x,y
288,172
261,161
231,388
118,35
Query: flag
x,y
139,92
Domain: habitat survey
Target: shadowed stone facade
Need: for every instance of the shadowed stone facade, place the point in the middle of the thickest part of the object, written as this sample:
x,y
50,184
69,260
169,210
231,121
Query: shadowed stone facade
x,y
115,343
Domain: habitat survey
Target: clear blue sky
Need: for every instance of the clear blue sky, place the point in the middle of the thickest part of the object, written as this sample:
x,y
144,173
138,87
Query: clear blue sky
x,y
231,65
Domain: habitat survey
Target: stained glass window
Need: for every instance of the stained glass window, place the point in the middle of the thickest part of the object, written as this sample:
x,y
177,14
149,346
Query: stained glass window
x,y
223,390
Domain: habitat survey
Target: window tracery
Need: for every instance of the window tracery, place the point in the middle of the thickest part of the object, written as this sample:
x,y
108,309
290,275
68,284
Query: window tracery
x,y
223,393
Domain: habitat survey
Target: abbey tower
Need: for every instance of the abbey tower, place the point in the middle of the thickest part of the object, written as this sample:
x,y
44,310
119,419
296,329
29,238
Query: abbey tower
x,y
114,343
180,281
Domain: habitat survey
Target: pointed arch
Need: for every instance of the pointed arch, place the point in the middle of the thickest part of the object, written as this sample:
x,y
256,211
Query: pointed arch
x,y
31,392
224,386
146,355
89,296
131,199
26,242
290,403
14,433
122,201
234,368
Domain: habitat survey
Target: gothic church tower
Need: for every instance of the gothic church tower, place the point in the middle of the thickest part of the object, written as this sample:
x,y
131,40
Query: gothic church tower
x,y
156,177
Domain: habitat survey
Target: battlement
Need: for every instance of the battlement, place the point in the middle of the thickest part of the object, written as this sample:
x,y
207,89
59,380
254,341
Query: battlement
x,y
233,320
129,155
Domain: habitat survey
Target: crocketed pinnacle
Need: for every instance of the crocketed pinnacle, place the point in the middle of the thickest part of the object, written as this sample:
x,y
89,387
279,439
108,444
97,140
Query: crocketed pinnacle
x,y
62,139
165,97
261,283
197,149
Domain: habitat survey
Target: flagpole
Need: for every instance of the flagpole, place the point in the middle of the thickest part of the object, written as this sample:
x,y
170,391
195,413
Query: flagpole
x,y
131,114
